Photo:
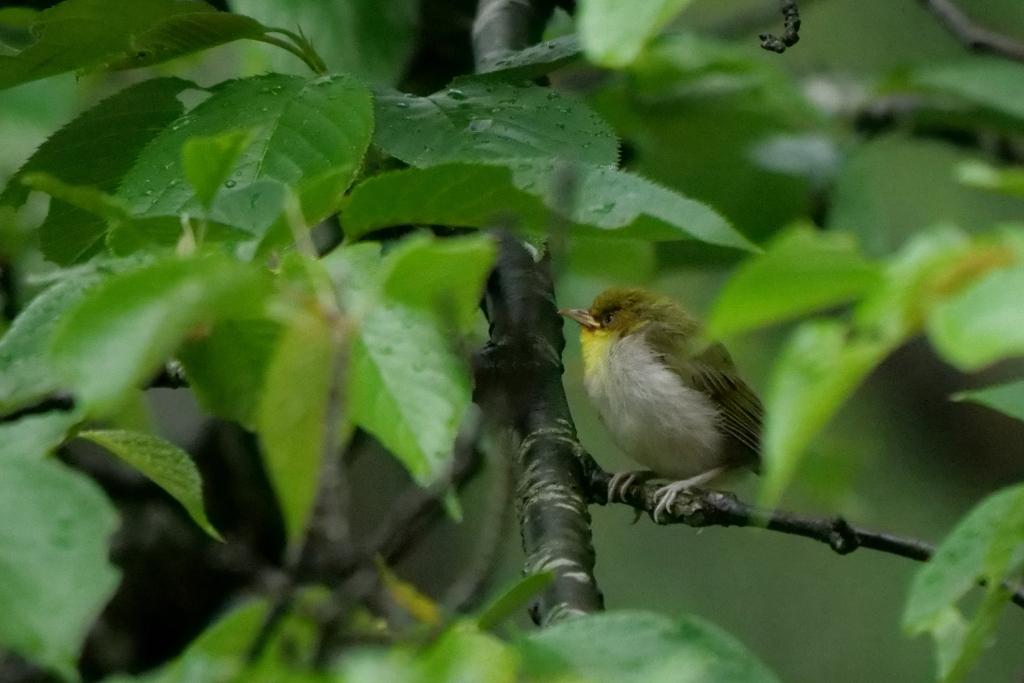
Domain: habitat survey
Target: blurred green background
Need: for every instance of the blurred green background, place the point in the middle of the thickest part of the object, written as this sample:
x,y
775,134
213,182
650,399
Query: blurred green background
x,y
830,132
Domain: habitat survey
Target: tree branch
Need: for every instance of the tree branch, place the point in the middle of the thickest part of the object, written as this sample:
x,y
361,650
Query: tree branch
x,y
519,377
503,27
972,36
701,508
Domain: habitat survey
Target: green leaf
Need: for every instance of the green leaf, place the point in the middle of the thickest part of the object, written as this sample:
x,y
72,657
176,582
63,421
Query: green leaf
x,y
36,436
96,215
100,144
220,652
369,39
226,368
825,361
85,34
183,34
959,562
1006,398
474,121
817,371
959,653
87,199
55,525
800,272
608,203
443,276
407,385
463,653
984,323
365,665
96,149
513,599
408,388
613,33
113,340
533,62
207,161
703,117
166,234
987,544
309,135
25,372
165,464
983,176
292,414
987,81
892,188
1006,554
627,646
932,266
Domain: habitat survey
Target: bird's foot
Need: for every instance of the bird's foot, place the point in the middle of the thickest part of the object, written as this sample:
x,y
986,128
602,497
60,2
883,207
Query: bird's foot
x,y
667,495
621,481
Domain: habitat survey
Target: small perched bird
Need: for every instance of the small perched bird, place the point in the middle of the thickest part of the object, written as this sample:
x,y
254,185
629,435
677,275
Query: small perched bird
x,y
671,404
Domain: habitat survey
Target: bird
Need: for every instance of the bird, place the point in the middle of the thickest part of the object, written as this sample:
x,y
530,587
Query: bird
x,y
670,401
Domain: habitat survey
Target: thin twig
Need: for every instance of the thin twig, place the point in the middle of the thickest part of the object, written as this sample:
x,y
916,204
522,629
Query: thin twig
x,y
467,590
503,27
972,36
59,401
702,508
8,290
410,516
791,19
419,508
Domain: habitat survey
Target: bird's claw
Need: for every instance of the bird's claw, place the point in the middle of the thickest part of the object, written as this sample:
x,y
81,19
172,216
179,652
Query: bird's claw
x,y
621,481
667,495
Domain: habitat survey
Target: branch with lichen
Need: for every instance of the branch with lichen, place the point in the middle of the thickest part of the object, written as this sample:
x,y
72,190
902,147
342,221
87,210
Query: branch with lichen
x,y
519,379
519,376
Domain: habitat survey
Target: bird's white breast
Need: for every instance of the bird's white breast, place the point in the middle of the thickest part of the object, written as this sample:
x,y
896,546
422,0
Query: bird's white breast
x,y
652,415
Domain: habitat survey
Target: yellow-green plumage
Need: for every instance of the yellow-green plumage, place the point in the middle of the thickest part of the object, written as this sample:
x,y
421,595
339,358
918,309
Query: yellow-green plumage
x,y
677,407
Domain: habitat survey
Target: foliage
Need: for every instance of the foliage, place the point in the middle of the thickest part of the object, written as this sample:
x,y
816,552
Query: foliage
x,y
181,233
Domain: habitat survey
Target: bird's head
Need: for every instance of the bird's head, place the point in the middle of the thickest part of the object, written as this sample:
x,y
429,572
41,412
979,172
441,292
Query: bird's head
x,y
623,311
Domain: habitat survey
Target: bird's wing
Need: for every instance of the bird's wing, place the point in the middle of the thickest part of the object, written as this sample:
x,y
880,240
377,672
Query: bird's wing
x,y
713,373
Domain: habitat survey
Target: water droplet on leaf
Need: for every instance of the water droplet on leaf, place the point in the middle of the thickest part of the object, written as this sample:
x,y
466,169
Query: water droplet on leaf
x,y
229,183
456,94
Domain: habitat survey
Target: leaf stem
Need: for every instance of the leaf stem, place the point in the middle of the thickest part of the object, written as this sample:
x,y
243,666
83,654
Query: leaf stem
x,y
313,60
305,49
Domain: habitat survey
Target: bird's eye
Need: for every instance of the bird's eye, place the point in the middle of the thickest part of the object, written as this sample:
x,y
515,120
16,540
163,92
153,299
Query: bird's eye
x,y
607,319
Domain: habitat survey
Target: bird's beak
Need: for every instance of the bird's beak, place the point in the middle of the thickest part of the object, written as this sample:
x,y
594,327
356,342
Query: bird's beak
x,y
582,316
